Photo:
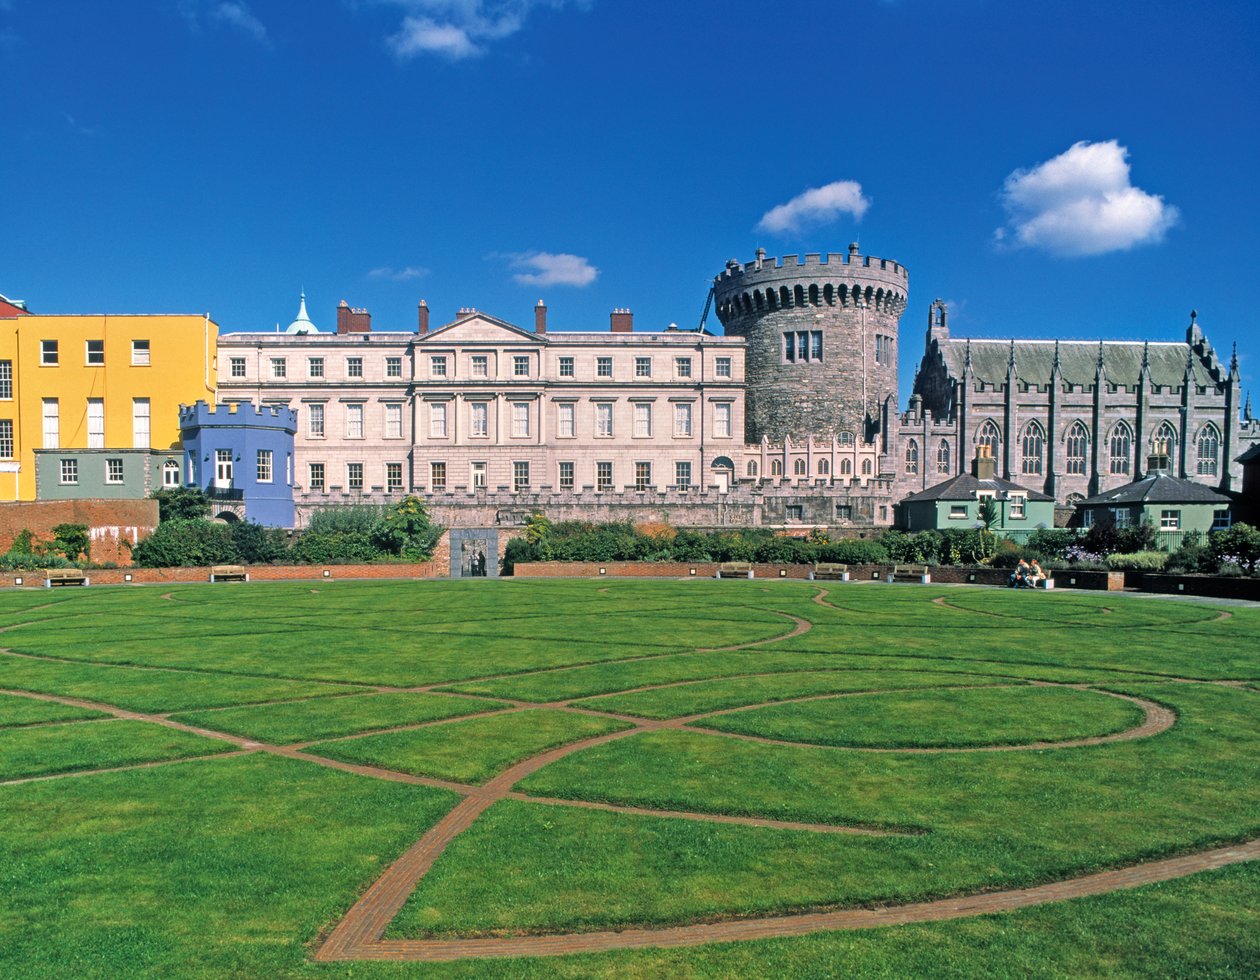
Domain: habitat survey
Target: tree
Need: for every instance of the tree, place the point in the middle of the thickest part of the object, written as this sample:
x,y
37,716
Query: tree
x,y
405,530
72,540
181,503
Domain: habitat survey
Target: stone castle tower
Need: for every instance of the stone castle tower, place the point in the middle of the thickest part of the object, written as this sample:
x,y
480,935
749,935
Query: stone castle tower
x,y
821,335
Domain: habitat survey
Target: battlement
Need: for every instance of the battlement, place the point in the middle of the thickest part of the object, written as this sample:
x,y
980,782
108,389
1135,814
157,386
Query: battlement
x,y
813,264
237,415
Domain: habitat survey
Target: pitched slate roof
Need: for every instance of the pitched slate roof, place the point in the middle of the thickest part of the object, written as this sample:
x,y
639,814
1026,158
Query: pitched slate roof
x,y
1158,488
1078,361
964,487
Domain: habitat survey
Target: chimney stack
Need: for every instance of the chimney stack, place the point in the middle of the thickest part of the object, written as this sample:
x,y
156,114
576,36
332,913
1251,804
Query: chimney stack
x,y
352,320
422,315
984,467
622,321
540,318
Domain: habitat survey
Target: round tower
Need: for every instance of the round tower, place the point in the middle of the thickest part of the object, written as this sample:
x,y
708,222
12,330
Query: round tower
x,y
821,334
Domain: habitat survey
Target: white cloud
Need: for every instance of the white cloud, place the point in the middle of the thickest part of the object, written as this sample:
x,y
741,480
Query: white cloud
x,y
238,15
404,274
458,29
553,269
1082,203
816,206
420,35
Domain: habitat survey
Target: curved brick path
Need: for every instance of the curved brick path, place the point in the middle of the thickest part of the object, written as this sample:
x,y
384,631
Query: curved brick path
x,y
772,927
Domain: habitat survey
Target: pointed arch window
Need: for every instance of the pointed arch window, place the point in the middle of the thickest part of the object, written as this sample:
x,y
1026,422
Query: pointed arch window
x,y
798,467
866,467
912,457
776,467
1121,449
752,467
846,467
1077,448
1164,442
942,457
1032,450
824,467
1209,450
989,436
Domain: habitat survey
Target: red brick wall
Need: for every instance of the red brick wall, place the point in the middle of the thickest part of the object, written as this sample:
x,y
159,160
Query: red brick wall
x,y
110,523
257,573
947,574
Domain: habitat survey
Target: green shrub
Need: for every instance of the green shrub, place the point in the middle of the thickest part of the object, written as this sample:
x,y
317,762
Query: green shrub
x,y
348,519
187,542
72,541
1238,545
1052,542
258,545
181,503
855,551
335,547
1141,561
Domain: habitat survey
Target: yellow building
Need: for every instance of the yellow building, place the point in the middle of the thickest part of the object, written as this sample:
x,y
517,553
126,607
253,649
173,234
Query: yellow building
x,y
100,381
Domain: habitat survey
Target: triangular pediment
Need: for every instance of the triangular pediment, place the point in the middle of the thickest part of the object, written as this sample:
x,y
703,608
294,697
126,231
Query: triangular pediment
x,y
481,328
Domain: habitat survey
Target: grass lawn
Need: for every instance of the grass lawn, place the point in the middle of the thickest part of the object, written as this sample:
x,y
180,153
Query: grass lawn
x,y
16,711
303,721
237,866
100,745
931,719
469,751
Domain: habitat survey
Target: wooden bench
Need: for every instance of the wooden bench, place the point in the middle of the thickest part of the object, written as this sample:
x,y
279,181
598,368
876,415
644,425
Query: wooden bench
x,y
733,569
910,573
64,576
830,570
229,573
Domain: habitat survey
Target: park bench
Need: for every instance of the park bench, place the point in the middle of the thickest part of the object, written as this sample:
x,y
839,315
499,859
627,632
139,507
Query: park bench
x,y
830,570
229,573
910,573
733,569
64,576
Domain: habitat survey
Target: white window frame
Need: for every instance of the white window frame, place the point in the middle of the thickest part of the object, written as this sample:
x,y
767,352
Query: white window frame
x,y
354,368
566,415
354,476
566,475
643,367
643,420
48,354
565,367
315,367
354,420
479,420
170,468
682,420
603,367
263,462
96,423
520,420
315,420
393,367
279,369
141,423
141,353
722,420
94,353
604,420
114,471
393,420
318,477
436,467
437,365
479,366
236,367
69,472
394,477
722,368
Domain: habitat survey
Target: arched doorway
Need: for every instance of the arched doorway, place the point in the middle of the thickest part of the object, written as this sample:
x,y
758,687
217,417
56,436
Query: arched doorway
x,y
723,469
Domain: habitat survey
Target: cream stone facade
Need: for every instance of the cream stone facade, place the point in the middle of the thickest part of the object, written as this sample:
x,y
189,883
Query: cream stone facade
x,y
481,406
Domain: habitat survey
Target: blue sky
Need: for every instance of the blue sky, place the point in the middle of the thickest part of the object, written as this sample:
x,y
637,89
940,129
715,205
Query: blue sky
x,y
1074,169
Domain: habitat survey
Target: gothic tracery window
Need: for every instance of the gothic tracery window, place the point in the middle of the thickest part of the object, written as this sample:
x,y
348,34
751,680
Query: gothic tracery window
x,y
1032,450
942,457
912,457
1077,448
1121,449
1209,447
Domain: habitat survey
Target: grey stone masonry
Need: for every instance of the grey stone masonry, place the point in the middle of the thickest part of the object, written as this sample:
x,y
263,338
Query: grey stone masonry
x,y
844,311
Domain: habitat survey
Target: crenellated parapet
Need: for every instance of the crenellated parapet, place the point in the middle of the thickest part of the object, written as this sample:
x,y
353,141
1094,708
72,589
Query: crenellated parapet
x,y
835,279
237,415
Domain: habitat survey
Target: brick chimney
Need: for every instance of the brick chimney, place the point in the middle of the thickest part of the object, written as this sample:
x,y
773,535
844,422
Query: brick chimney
x,y
622,321
422,315
983,467
352,320
540,318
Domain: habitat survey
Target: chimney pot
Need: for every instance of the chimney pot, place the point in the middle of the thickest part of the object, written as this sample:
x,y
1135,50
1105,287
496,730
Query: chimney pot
x,y
621,321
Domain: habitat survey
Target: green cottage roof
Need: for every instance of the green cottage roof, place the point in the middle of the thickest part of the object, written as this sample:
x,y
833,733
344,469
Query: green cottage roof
x,y
966,486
